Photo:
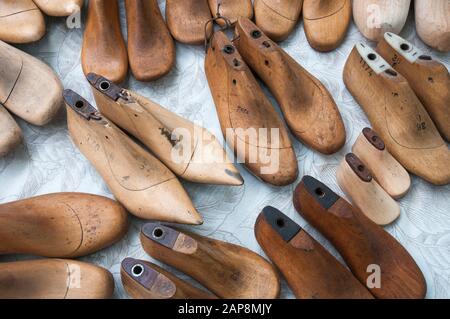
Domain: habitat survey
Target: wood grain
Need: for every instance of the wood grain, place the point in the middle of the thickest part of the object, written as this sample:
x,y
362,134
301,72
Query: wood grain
x,y
310,270
375,17
360,242
21,21
104,51
307,106
429,79
144,280
186,20
28,87
277,19
59,8
227,270
326,22
231,9
385,169
200,157
65,225
433,23
10,133
397,115
54,279
151,49
138,180
243,110
356,180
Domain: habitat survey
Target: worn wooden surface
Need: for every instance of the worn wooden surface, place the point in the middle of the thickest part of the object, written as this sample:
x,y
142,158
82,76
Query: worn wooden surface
x,y
229,271
310,270
151,50
326,22
145,186
398,116
54,279
361,243
242,106
201,159
104,51
308,108
65,225
156,283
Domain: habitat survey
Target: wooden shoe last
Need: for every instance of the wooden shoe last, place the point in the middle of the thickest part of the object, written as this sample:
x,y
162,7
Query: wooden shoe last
x,y
144,280
64,225
326,22
243,108
138,180
104,51
10,132
187,19
54,279
20,21
384,168
227,270
28,87
151,49
310,270
429,78
203,159
433,23
277,19
397,115
357,182
363,245
308,107
375,17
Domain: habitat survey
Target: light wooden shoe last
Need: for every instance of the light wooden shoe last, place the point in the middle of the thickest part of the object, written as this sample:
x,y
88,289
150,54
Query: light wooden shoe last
x,y
138,180
144,280
20,21
28,87
243,109
231,9
429,78
277,19
375,17
357,182
397,115
104,51
187,19
310,270
229,271
10,132
59,8
151,49
385,169
54,279
326,22
66,225
202,158
307,106
433,23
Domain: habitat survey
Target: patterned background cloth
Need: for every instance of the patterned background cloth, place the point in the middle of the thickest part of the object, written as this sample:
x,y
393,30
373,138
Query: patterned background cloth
x,y
49,162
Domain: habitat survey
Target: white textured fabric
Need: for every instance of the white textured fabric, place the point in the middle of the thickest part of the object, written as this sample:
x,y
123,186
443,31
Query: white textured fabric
x,y
49,162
